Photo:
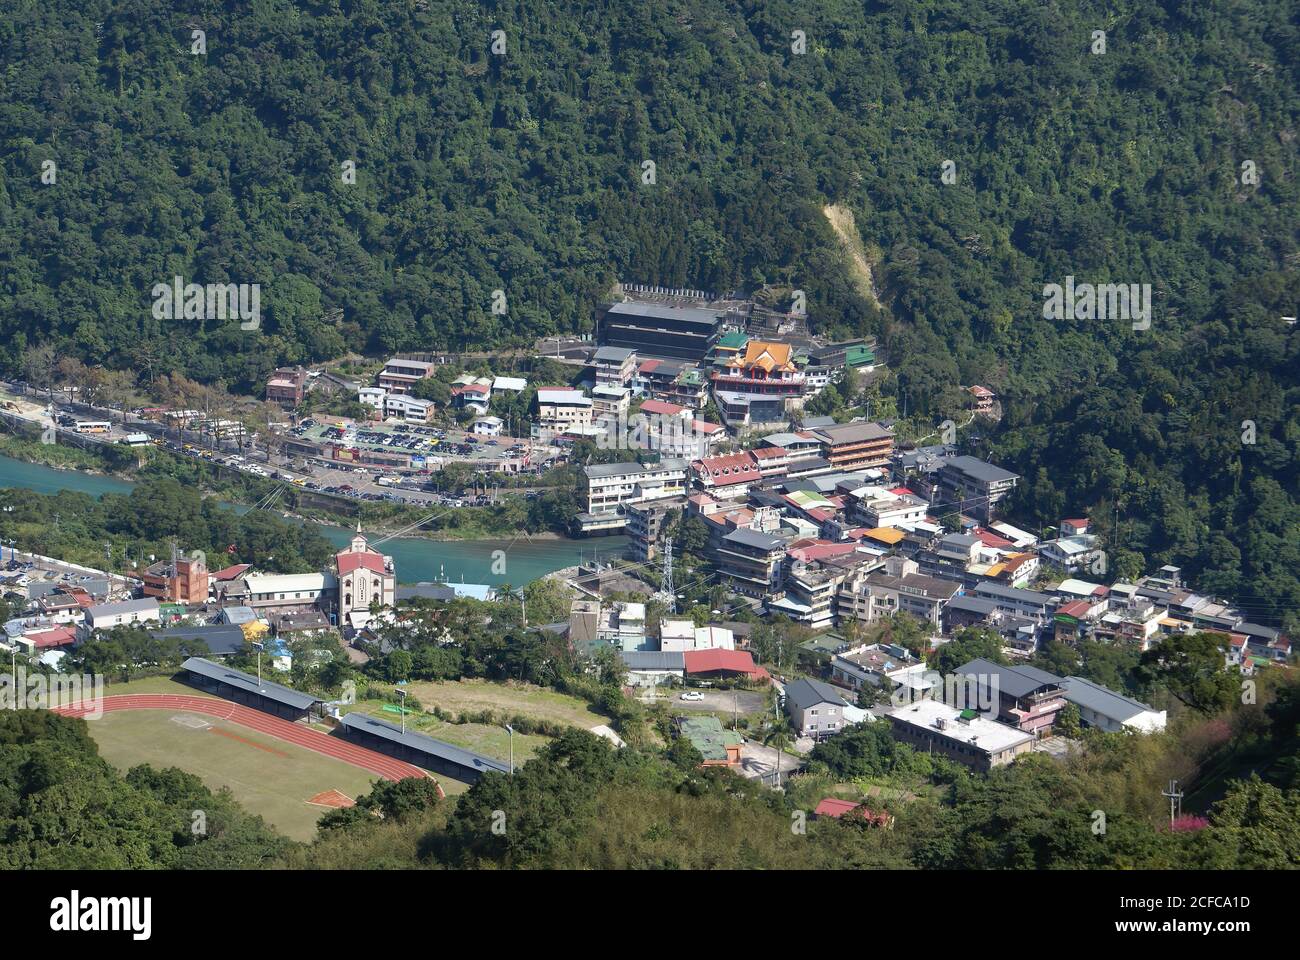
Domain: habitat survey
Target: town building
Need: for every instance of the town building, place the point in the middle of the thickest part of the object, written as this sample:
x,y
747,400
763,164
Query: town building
x,y
750,562
561,410
816,709
973,487
608,487
728,476
400,376
898,588
408,409
1023,696
366,579
1112,712
645,524
106,616
856,446
178,580
287,386
882,665
653,668
931,726
660,330
719,747
614,366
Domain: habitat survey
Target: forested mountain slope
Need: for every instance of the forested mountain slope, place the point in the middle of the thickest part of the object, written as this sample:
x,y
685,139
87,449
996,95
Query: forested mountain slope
x,y
523,172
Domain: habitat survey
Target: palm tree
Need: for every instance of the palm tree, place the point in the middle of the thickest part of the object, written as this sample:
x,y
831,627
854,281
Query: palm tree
x,y
777,734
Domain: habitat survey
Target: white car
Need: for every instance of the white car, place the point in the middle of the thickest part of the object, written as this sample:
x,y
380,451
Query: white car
x,y
692,695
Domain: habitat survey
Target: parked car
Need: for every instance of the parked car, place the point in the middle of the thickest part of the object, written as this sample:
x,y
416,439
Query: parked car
x,y
692,695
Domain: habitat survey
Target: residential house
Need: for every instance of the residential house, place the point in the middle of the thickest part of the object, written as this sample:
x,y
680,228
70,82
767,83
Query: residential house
x,y
1107,710
816,709
400,376
287,386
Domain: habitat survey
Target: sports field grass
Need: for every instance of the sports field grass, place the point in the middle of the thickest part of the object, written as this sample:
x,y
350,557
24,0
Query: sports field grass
x,y
267,776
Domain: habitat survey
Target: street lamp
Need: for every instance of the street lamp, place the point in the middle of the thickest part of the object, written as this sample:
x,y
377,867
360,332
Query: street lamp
x,y
402,706
511,731
259,646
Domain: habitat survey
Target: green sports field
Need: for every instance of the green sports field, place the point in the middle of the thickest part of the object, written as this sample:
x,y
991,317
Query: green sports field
x,y
267,776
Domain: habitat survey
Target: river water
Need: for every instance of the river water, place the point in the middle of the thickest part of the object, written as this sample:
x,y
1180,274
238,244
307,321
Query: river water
x,y
417,559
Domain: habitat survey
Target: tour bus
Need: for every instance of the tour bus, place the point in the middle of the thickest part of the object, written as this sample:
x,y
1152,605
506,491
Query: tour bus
x,y
93,426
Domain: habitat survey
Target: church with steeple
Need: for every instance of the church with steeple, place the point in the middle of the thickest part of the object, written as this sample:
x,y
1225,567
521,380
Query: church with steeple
x,y
365,577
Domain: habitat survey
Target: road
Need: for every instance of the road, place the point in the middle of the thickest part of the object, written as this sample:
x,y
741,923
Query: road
x,y
759,762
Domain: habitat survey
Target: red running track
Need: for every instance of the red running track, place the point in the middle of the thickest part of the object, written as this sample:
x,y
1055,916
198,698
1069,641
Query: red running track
x,y
295,733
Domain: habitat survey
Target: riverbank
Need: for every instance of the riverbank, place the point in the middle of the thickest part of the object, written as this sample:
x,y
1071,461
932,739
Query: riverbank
x,y
419,559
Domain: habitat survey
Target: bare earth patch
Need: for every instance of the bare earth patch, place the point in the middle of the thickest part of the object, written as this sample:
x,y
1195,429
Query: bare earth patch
x,y
845,226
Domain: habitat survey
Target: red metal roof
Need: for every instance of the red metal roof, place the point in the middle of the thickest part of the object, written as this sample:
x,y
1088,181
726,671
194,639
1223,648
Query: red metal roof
x,y
834,807
992,539
58,637
662,407
353,561
716,660
729,469
232,572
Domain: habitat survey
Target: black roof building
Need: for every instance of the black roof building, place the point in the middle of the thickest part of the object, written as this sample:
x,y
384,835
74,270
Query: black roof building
x,y
416,748
230,684
660,330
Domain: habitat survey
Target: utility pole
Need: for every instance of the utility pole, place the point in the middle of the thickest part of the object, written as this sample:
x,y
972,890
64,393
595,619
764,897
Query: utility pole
x,y
670,592
1175,796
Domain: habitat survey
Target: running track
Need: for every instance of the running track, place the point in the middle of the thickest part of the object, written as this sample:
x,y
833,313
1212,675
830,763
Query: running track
x,y
295,733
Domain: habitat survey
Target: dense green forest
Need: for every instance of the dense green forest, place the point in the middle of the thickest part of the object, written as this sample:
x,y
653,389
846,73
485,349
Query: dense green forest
x,y
523,172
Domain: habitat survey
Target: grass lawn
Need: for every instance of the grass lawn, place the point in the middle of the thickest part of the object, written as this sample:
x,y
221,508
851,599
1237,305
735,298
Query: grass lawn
x,y
267,776
153,685
491,741
525,699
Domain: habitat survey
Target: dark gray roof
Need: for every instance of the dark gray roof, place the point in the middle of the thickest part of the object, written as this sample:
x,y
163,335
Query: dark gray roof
x,y
236,678
803,694
613,354
972,605
1017,681
654,659
424,591
1257,630
699,315
1101,699
978,469
753,538
998,591
812,423
221,638
853,432
621,469
418,741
